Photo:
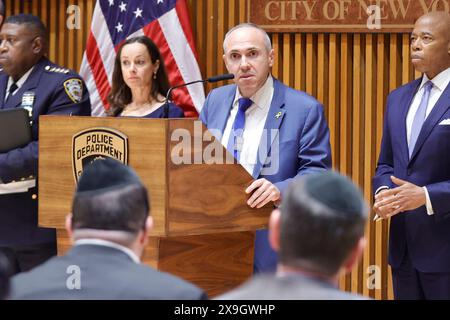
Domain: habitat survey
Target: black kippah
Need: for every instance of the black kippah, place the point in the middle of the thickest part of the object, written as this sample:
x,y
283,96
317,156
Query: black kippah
x,y
335,191
105,175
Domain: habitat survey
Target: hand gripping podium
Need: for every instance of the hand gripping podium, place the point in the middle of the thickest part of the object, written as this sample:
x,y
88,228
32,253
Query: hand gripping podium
x,y
203,229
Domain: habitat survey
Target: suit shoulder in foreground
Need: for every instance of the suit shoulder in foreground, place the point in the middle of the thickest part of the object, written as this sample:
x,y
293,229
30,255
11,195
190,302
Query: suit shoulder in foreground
x,y
295,287
103,273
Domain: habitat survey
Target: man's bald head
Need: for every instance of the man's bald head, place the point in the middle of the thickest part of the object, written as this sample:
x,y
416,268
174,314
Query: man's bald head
x,y
430,43
440,19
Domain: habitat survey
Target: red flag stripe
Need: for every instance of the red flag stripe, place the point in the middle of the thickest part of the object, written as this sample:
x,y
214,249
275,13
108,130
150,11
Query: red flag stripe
x,y
98,69
181,95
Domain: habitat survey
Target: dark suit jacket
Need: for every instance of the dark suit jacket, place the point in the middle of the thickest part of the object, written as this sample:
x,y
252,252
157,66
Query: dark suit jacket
x,y
18,211
105,273
291,287
425,237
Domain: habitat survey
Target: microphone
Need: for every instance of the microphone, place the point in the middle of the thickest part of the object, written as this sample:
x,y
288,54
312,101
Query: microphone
x,y
218,78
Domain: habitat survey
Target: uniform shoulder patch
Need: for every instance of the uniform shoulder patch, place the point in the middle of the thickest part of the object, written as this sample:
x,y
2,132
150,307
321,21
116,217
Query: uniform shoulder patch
x,y
74,89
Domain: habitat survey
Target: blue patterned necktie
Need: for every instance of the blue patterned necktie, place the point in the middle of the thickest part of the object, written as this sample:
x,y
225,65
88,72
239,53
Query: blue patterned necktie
x,y
235,140
419,117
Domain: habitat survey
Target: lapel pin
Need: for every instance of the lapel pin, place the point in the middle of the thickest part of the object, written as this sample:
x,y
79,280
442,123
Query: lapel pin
x,y
278,115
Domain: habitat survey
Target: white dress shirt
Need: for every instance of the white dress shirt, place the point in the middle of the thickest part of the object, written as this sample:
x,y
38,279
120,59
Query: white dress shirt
x,y
255,119
110,244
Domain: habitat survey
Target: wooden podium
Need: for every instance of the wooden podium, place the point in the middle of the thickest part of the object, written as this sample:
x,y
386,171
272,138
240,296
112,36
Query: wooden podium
x,y
203,229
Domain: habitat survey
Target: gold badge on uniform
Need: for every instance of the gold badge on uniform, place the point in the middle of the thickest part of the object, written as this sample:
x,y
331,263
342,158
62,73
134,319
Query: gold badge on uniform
x,y
74,89
97,143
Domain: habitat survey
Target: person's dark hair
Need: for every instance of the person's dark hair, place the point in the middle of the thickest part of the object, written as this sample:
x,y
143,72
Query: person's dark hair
x,y
5,274
120,94
30,21
110,196
323,217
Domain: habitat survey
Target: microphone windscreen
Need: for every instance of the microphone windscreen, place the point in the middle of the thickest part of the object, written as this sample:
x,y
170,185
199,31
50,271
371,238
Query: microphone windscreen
x,y
221,77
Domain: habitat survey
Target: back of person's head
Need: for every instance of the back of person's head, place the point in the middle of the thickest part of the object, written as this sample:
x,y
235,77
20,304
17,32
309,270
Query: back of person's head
x,y
110,197
5,274
321,223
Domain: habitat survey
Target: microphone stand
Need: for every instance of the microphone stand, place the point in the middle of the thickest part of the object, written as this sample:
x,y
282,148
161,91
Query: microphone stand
x,y
228,76
166,103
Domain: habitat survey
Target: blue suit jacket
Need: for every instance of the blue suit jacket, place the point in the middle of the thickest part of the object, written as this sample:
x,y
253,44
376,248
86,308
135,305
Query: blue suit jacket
x,y
299,145
426,238
18,211
302,132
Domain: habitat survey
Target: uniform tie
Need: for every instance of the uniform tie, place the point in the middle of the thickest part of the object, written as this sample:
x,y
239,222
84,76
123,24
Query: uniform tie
x,y
11,90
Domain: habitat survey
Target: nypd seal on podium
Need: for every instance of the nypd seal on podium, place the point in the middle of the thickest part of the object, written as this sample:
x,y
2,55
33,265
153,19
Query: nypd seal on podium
x,y
97,143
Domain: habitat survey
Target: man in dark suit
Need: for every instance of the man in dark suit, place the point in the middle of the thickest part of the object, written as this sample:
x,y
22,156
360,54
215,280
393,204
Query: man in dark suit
x,y
275,132
110,226
412,180
319,235
29,80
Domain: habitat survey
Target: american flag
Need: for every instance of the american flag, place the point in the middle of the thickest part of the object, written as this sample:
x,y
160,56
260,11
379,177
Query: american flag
x,y
166,22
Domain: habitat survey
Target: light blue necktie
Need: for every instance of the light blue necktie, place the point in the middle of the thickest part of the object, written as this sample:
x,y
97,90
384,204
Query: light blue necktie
x,y
235,140
419,117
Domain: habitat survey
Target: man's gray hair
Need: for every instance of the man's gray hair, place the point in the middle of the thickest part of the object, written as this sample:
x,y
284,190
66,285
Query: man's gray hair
x,y
267,42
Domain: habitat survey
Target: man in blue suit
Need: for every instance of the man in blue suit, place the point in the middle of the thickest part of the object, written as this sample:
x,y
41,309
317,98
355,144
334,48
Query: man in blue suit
x,y
29,80
275,132
412,181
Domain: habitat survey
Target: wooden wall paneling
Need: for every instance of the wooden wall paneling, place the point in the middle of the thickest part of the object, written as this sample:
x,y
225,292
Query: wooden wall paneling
x,y
321,89
70,39
52,25
380,89
210,42
357,163
406,71
298,61
310,65
333,101
287,59
79,41
276,64
368,149
35,9
221,30
345,119
242,11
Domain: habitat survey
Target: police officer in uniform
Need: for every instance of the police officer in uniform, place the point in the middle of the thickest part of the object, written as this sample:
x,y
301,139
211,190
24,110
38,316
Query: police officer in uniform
x,y
29,80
